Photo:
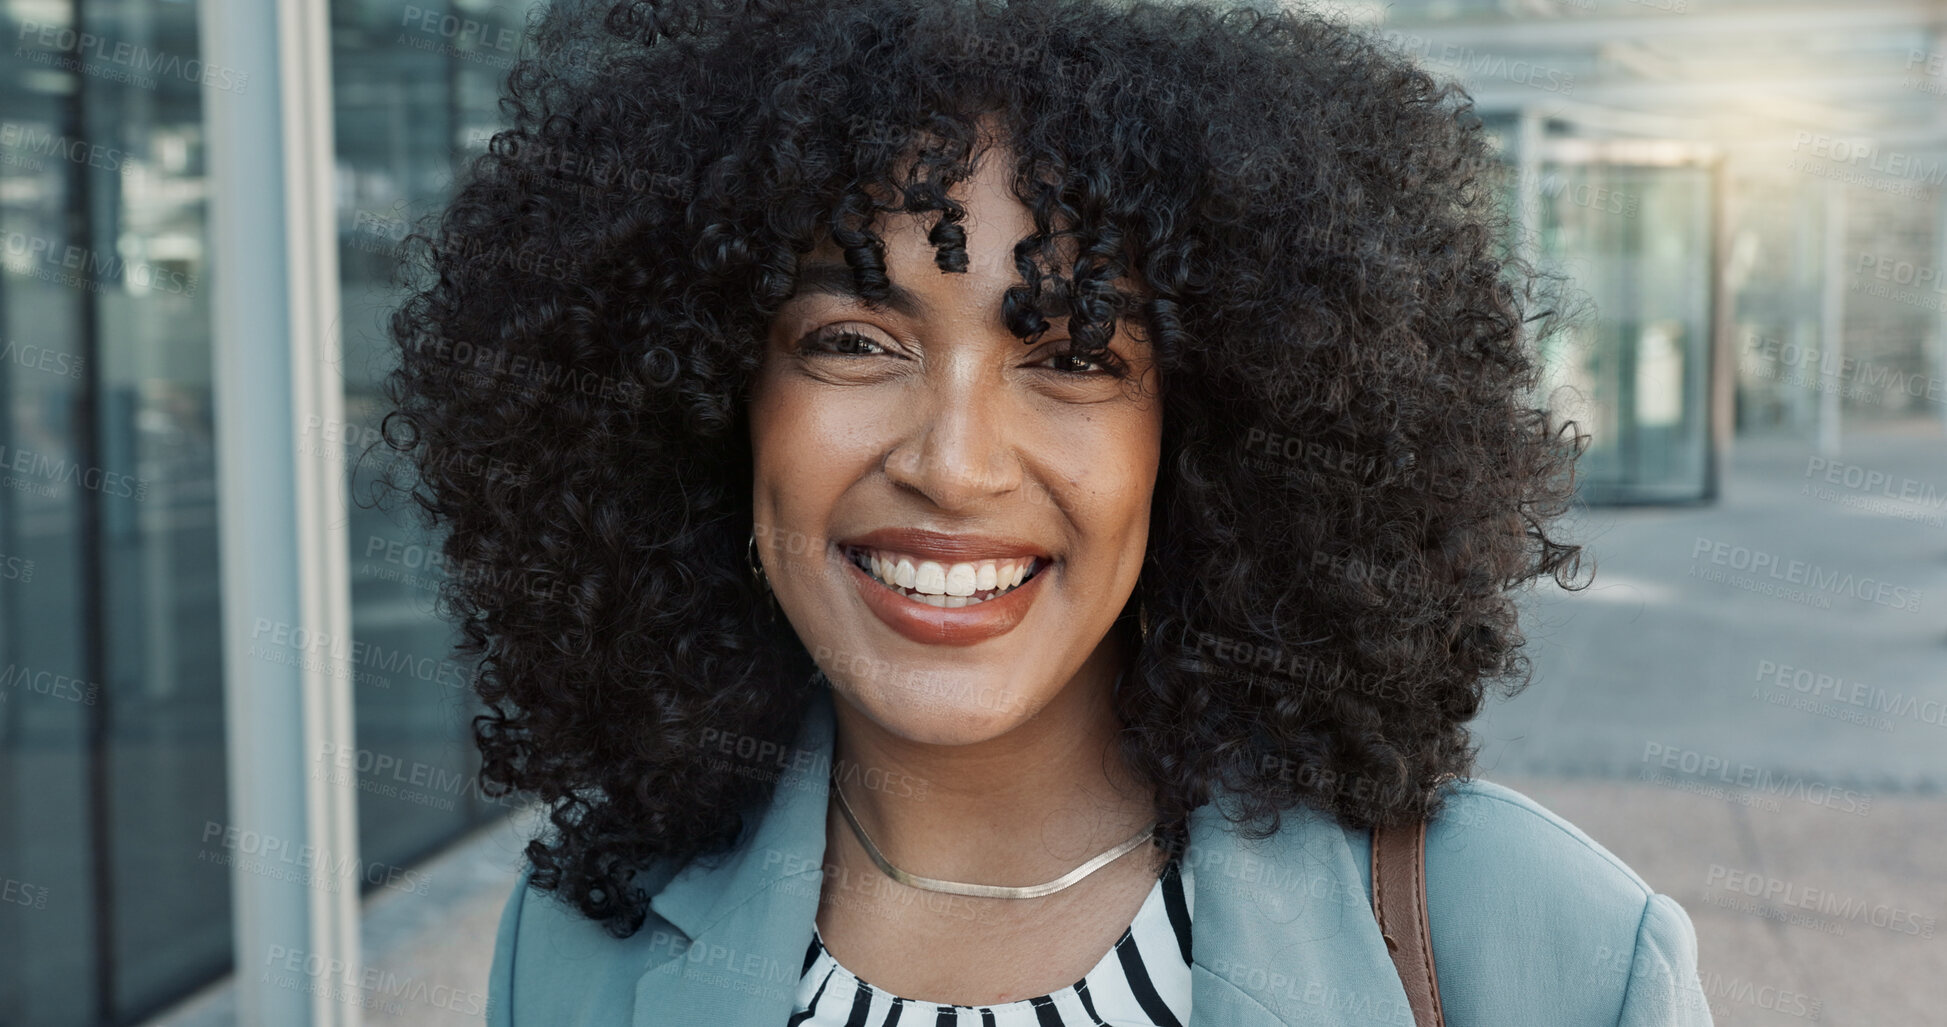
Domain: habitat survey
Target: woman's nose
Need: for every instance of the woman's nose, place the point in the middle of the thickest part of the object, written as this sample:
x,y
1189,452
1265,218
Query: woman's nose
x,y
958,442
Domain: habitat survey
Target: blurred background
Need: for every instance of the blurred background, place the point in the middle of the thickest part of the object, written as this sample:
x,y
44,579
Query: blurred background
x,y
1748,705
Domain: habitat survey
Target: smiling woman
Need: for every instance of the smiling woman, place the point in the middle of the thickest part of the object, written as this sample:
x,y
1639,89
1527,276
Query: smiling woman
x,y
939,636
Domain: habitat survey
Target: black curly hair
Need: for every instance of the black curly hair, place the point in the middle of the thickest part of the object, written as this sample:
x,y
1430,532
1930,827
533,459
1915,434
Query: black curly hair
x,y
1351,482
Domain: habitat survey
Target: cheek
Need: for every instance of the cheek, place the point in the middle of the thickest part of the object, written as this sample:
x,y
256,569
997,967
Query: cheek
x,y
806,450
1116,471
803,437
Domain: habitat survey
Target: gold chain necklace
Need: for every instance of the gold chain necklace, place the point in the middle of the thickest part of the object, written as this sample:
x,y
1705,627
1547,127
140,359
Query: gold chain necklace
x,y
984,891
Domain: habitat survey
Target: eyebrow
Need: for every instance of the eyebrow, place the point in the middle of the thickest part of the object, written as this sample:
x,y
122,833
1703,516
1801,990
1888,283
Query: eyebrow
x,y
833,279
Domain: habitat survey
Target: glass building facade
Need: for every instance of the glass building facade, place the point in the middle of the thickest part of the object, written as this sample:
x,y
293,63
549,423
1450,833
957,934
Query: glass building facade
x,y
1676,169
112,744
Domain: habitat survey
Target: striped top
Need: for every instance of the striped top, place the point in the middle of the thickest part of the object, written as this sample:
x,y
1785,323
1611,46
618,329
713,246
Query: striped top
x,y
1143,980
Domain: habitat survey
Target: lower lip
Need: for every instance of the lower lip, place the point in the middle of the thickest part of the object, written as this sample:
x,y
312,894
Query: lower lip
x,y
939,625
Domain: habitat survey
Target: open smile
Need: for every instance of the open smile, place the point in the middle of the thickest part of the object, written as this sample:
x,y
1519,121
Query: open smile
x,y
934,602
948,586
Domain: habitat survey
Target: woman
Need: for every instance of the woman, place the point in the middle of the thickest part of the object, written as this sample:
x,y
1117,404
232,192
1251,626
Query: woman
x,y
1024,490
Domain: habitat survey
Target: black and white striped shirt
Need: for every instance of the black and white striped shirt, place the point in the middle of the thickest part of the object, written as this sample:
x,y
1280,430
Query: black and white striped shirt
x,y
1144,980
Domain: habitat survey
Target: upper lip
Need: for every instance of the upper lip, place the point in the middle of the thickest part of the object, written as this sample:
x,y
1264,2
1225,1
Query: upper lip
x,y
944,547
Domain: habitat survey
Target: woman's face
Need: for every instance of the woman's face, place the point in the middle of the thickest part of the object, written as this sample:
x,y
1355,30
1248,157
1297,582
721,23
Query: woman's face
x,y
927,438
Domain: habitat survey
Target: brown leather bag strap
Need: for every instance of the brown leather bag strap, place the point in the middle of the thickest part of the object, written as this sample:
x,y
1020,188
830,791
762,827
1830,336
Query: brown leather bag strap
x,y
1399,904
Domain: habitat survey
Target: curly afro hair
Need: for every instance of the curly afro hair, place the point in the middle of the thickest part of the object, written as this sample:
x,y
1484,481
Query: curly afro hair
x,y
1351,484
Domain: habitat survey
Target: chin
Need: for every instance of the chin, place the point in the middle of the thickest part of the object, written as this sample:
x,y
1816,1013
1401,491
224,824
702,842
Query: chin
x,y
956,712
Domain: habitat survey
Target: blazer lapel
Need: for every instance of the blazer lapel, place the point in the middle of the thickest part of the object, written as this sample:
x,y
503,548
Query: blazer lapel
x,y
1282,930
748,915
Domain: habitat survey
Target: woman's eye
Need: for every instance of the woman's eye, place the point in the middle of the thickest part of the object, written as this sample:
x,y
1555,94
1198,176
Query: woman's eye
x,y
1074,363
843,341
852,343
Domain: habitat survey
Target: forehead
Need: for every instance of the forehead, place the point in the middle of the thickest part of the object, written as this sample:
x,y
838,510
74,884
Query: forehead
x,y
995,222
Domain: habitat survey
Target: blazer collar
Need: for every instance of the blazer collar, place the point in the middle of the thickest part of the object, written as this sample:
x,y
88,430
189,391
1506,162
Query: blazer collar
x,y
785,843
1282,930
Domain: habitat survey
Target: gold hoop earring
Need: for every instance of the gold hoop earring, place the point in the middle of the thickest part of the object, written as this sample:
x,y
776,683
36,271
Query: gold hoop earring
x,y
763,581
1142,620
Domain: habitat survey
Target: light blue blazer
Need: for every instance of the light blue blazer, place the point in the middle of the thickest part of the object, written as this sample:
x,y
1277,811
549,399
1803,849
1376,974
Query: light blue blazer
x,y
1533,925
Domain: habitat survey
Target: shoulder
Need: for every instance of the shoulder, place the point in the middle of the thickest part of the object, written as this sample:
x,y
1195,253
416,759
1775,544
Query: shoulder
x,y
1495,836
551,964
1528,913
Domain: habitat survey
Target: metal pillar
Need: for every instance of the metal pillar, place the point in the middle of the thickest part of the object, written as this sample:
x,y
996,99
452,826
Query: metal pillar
x,y
282,514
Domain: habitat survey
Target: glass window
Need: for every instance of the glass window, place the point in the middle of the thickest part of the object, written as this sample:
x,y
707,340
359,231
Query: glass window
x,y
412,83
114,879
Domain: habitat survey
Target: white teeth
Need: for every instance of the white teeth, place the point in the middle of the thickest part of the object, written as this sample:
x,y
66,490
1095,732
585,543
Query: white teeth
x,y
930,578
946,585
960,579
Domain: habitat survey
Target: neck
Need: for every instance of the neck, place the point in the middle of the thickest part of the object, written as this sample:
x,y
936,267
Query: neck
x,y
1018,809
